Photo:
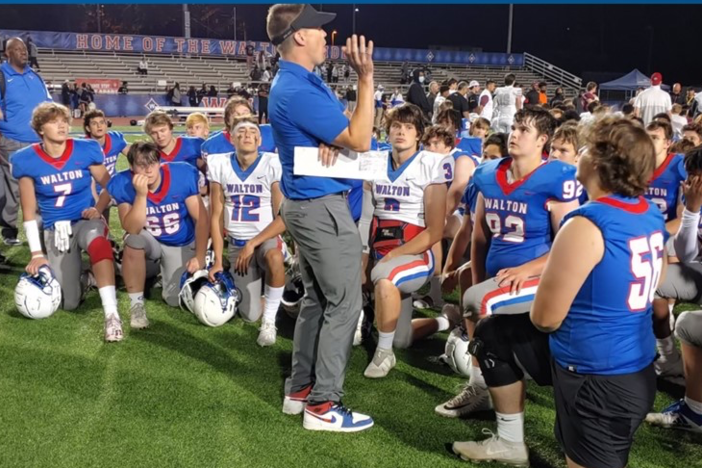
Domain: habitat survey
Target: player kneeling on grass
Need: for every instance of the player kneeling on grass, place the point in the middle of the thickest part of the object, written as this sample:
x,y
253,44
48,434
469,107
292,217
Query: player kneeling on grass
x,y
520,205
403,217
245,198
595,299
165,221
55,179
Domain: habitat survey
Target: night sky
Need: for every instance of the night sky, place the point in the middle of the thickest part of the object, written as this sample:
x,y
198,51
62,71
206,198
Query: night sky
x,y
583,39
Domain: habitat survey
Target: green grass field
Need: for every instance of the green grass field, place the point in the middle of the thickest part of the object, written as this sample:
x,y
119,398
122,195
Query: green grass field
x,y
180,394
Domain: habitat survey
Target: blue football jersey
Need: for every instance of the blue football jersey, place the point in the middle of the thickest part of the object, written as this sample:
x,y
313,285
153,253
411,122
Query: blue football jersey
x,y
608,328
186,149
517,212
167,217
664,189
471,145
114,144
62,185
469,200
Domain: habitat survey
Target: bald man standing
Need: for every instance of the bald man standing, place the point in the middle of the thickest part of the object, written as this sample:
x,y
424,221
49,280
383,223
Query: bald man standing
x,y
21,90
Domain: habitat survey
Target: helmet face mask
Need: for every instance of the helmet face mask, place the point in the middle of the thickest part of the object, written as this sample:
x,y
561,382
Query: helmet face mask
x,y
189,286
292,295
39,296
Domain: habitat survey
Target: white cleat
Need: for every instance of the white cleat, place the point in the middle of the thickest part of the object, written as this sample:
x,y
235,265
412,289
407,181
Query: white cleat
x,y
358,334
472,399
493,449
383,361
113,329
138,318
267,334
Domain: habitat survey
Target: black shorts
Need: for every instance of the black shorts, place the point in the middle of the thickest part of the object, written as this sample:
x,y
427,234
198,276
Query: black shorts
x,y
510,345
597,415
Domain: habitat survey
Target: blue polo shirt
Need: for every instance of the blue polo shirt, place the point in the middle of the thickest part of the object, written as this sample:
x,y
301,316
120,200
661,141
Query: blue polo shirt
x,y
23,92
304,112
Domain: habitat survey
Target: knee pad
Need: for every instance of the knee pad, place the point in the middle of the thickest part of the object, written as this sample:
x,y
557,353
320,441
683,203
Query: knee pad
x,y
688,328
135,241
100,249
490,346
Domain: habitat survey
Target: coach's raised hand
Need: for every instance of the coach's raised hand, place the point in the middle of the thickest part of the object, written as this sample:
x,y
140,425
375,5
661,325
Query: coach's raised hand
x,y
360,56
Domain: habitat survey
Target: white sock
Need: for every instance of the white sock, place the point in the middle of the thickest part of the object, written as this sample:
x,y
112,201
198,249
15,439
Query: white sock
x,y
272,297
695,406
671,307
510,427
476,376
443,323
108,296
666,346
136,298
435,290
385,339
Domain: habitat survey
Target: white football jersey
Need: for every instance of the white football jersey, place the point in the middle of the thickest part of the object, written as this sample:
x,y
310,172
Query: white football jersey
x,y
247,194
400,195
505,102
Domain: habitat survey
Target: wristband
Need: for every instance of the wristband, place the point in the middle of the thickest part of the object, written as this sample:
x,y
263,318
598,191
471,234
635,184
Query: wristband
x,y
31,230
41,255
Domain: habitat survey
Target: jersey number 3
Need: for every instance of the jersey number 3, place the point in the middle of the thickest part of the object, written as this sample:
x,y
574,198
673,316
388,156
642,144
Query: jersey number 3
x,y
646,265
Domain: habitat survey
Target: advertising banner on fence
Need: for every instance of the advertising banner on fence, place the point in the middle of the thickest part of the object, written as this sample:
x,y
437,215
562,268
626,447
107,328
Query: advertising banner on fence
x,y
181,45
101,85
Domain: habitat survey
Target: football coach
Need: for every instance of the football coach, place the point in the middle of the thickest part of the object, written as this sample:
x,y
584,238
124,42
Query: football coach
x,y
304,112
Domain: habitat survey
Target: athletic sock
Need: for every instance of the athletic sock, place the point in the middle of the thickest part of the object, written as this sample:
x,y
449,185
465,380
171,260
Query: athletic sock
x,y
666,346
108,296
272,297
385,339
510,427
435,290
443,323
695,406
136,298
476,376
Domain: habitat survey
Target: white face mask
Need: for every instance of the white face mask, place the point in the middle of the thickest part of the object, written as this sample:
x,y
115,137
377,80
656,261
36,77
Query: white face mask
x,y
421,79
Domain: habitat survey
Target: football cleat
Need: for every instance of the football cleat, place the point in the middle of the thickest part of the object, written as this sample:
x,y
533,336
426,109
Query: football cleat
x,y
471,399
493,449
382,363
39,296
113,329
215,303
334,417
677,416
267,334
138,317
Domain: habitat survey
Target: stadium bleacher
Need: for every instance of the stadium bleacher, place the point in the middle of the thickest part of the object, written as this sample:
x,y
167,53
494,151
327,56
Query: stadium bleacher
x,y
59,65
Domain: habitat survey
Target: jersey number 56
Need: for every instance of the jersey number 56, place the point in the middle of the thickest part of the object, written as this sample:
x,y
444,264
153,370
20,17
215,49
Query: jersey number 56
x,y
646,265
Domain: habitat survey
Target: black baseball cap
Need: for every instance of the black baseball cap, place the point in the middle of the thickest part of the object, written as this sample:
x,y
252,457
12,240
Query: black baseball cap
x,y
309,18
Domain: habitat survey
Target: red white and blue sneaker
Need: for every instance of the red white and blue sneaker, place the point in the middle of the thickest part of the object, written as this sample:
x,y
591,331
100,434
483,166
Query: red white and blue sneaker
x,y
295,402
677,416
334,417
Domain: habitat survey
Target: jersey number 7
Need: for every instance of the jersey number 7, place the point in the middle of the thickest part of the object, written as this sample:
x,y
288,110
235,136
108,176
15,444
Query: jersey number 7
x,y
64,190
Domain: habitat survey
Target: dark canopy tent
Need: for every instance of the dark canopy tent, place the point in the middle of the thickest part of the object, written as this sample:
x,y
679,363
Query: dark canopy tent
x,y
622,89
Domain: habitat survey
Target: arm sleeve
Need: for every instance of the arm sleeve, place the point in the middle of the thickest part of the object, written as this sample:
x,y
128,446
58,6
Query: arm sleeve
x,y
213,168
317,114
437,169
275,169
366,218
685,242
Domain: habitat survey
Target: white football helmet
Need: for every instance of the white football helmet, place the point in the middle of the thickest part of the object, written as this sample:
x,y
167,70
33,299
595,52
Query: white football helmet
x,y
189,286
292,295
39,296
456,352
215,303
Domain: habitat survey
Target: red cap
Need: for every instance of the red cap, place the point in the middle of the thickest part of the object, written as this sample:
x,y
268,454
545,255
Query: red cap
x,y
656,79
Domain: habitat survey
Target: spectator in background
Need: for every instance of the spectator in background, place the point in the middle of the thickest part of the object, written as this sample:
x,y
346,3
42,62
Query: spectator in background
x,y
532,96
693,133
83,98
589,95
266,76
335,73
250,59
201,93
452,83
351,97
143,68
416,96
628,111
460,103
473,97
443,96
378,99
507,100
212,92
696,106
255,74
123,89
677,120
543,97
347,73
404,72
3,41
676,95
33,53
192,97
653,100
263,91
24,90
433,92
485,106
66,94
231,90
557,98
176,98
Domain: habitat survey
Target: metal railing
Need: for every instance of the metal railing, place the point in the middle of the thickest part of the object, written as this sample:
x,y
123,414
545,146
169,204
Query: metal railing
x,y
552,72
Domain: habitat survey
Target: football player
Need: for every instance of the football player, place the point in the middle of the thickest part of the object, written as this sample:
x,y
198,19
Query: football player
x,y
197,125
159,128
403,217
594,299
113,143
220,142
55,178
521,202
165,222
245,197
